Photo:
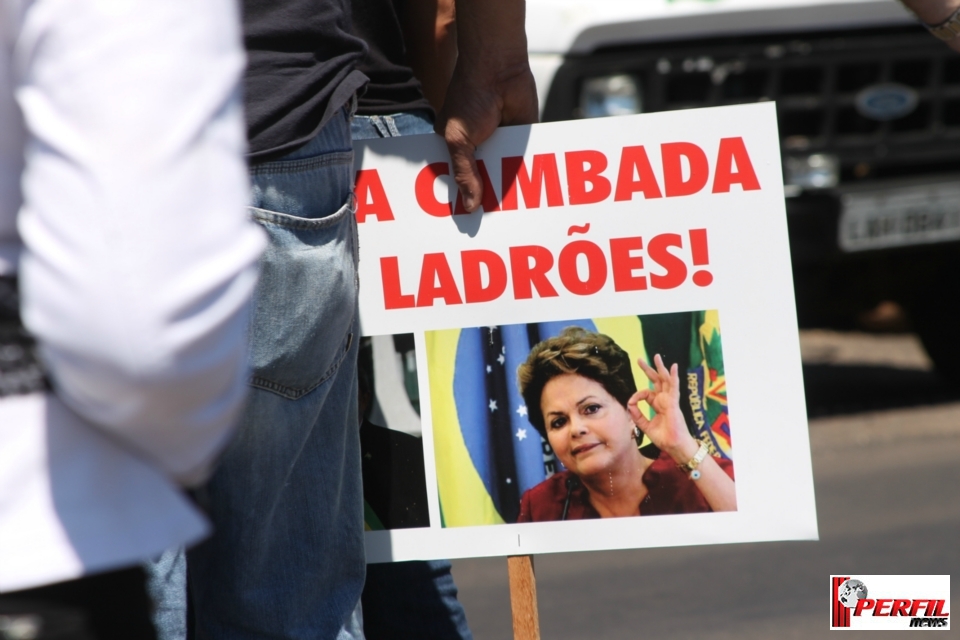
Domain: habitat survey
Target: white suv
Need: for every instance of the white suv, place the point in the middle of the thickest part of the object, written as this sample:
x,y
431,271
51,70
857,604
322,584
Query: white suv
x,y
869,113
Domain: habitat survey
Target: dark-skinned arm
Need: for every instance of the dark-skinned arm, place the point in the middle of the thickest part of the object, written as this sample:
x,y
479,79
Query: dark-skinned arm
x,y
430,37
491,85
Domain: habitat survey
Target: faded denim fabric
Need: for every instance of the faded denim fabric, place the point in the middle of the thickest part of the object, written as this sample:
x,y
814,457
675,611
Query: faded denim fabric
x,y
411,123
286,558
167,587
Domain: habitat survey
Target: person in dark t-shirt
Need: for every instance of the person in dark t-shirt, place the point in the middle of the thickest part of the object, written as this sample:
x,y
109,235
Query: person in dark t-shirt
x,y
301,68
393,87
286,559
406,599
410,58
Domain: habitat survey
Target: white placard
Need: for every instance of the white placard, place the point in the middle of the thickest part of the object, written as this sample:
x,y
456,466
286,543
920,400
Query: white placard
x,y
612,222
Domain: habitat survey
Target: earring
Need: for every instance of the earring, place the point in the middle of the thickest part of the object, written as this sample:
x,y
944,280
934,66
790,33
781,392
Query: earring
x,y
637,435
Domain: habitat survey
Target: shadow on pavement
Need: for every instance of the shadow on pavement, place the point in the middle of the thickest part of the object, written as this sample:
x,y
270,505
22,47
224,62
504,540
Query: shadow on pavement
x,y
842,389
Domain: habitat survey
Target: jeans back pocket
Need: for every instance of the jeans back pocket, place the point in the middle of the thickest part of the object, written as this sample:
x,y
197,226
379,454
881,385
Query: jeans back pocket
x,y
306,300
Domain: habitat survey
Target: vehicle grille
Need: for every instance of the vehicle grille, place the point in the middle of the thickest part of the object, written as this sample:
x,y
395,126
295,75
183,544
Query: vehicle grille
x,y
814,78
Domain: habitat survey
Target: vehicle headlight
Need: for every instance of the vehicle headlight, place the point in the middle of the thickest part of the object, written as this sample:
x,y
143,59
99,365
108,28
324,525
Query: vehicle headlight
x,y
617,95
814,171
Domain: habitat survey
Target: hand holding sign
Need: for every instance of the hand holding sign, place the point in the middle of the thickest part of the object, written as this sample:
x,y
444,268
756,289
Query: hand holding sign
x,y
491,86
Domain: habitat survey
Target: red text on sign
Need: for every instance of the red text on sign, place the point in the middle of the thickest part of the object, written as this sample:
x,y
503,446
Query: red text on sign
x,y
587,179
581,267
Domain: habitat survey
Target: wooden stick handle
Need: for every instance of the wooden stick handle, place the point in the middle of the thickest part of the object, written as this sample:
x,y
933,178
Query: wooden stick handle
x,y
523,598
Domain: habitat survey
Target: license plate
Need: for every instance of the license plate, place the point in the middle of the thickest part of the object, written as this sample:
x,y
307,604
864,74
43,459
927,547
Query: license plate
x,y
900,217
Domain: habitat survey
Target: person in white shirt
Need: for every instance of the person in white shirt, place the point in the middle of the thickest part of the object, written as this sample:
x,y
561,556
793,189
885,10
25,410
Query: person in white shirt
x,y
123,225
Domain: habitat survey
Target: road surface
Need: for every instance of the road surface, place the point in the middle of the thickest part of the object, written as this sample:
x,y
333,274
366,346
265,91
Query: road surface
x,y
885,440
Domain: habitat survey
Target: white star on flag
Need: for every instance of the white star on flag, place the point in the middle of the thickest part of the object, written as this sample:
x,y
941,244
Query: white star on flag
x,y
521,434
489,368
493,406
522,410
501,359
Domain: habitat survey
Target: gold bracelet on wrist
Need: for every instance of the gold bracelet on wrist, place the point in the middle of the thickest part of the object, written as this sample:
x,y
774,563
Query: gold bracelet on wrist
x,y
692,465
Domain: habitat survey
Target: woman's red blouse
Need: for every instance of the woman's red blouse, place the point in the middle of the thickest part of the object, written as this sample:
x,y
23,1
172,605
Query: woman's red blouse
x,y
669,491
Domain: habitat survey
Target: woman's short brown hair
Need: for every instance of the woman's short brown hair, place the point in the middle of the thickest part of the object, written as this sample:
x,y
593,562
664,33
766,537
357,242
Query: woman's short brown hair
x,y
576,350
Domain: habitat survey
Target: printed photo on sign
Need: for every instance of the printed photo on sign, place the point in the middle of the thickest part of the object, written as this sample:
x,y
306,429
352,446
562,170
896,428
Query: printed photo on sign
x,y
391,447
562,420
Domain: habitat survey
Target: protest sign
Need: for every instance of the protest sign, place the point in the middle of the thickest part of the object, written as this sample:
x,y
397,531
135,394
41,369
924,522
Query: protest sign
x,y
654,234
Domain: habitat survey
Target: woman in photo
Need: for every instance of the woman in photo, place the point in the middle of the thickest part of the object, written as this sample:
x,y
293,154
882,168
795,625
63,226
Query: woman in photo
x,y
581,396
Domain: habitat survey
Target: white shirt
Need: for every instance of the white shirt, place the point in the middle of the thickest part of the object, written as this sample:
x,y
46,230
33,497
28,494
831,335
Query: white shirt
x,y
122,209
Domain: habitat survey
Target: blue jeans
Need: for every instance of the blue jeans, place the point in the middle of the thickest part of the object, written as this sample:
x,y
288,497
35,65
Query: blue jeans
x,y
286,559
404,600
167,588
409,599
391,126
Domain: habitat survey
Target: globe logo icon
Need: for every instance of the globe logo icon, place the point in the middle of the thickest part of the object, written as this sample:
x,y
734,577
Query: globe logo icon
x,y
851,592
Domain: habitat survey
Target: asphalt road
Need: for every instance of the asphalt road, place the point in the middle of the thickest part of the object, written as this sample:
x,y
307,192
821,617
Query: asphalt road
x,y
885,440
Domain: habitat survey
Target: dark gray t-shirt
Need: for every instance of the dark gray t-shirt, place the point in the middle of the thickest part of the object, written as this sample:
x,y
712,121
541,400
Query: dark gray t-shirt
x,y
300,70
393,87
